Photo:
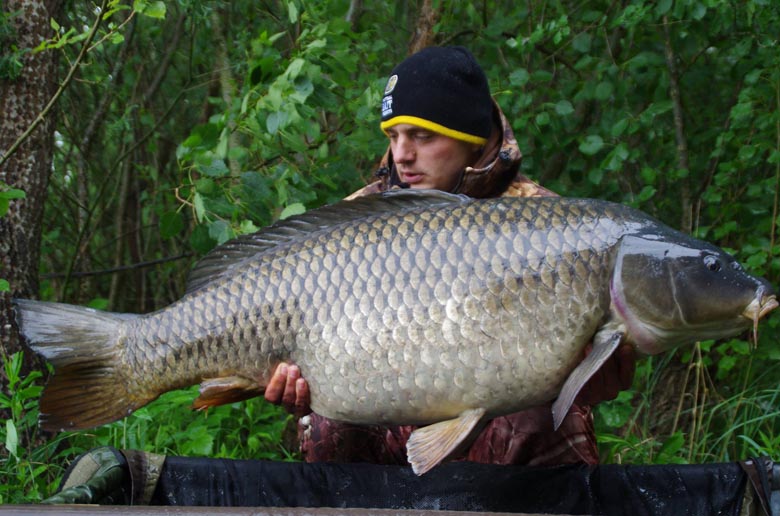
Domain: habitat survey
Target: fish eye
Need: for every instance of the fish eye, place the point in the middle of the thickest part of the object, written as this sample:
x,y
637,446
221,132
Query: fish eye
x,y
712,263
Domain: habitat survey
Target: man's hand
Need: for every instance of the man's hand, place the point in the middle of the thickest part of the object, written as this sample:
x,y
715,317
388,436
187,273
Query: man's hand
x,y
615,375
288,389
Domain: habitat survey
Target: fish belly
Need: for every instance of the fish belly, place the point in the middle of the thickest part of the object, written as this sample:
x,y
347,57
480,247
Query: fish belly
x,y
447,314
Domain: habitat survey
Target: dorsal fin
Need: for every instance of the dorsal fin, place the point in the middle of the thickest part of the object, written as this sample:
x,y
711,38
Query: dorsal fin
x,y
224,259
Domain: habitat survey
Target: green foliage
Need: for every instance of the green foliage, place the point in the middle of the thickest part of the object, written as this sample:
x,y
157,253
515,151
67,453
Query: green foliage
x,y
10,55
31,465
63,36
727,417
166,426
169,426
287,142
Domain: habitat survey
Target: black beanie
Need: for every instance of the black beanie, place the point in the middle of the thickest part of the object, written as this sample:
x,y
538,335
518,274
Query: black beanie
x,y
442,89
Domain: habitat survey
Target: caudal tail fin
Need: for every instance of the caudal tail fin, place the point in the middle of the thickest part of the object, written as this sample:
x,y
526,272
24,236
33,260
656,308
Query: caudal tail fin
x,y
81,343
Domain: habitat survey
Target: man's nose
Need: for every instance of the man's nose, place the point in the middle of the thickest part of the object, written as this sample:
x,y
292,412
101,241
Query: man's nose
x,y
404,150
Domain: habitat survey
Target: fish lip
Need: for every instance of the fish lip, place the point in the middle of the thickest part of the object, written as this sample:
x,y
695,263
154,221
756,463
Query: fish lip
x,y
761,305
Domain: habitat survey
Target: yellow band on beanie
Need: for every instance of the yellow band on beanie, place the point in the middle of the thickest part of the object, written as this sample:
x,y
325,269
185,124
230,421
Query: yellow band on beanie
x,y
432,126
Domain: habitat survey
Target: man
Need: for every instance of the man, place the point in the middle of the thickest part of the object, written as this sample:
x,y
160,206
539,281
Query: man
x,y
447,133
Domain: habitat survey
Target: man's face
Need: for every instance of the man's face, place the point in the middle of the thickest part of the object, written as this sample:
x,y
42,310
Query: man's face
x,y
425,159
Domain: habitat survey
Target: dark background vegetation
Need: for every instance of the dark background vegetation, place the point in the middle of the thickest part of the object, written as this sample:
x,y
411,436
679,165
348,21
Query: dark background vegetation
x,y
178,125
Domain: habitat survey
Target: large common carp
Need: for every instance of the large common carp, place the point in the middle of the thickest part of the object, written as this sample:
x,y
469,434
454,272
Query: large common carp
x,y
409,308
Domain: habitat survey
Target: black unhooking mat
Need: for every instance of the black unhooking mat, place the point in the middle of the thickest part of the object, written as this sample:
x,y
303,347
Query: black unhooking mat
x,y
108,476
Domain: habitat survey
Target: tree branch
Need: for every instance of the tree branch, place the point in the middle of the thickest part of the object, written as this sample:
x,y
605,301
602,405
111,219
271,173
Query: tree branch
x,y
686,223
114,270
354,12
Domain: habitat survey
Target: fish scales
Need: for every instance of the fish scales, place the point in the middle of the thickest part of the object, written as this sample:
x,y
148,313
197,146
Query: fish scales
x,y
462,292
408,308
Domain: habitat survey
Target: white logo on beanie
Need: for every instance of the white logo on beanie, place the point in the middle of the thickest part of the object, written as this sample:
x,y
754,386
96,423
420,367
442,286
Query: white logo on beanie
x,y
387,106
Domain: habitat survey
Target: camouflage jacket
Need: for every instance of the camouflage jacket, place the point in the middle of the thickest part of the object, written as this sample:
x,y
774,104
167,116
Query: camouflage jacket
x,y
523,438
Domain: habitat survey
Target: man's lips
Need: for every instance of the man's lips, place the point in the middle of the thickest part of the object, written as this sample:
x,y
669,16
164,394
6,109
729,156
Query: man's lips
x,y
411,177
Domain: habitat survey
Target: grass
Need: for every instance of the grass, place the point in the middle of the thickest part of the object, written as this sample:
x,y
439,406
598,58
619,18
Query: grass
x,y
712,403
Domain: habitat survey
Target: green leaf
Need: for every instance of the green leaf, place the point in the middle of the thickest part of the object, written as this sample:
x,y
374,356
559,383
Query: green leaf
x,y
247,226
150,9
540,76
672,445
292,12
6,196
294,70
542,118
295,208
275,121
200,240
519,77
596,176
4,285
205,186
649,175
12,193
221,231
199,441
647,193
200,207
614,160
725,364
617,412
591,144
662,7
99,303
619,127
658,108
11,438
171,224
604,90
699,11
216,168
581,43
564,107
756,261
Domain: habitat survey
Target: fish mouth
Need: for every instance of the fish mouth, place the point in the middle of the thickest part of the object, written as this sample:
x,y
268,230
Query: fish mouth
x,y
760,306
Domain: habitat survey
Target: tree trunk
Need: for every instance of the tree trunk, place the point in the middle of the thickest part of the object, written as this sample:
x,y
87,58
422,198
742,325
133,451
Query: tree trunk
x,y
423,35
21,100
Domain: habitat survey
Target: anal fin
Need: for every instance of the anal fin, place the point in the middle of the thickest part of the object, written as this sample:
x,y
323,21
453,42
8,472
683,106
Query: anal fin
x,y
430,445
227,389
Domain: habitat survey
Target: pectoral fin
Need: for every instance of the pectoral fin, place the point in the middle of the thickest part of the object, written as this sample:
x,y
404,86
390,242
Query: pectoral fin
x,y
603,347
228,389
430,445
